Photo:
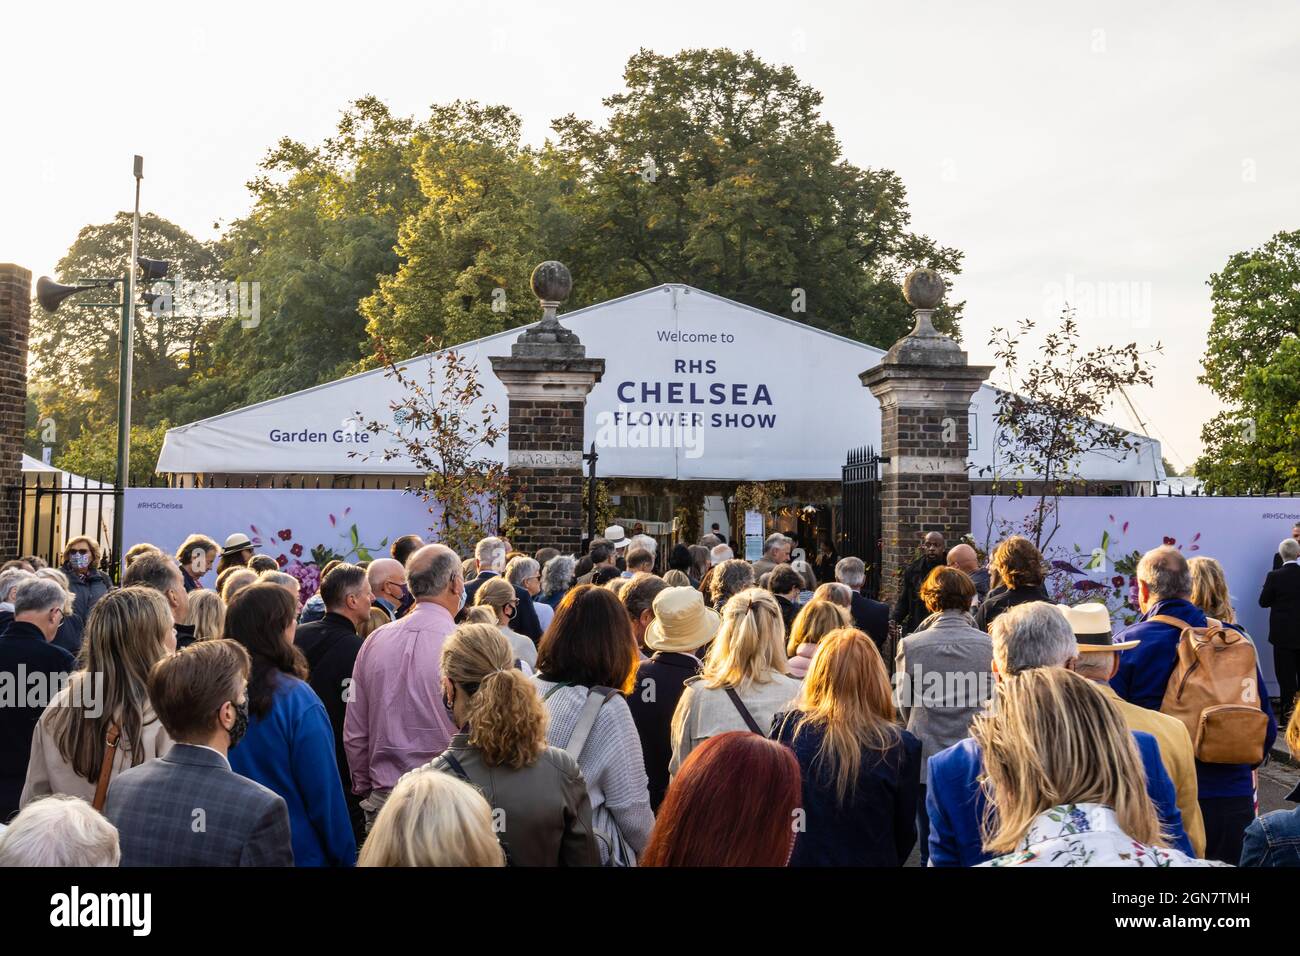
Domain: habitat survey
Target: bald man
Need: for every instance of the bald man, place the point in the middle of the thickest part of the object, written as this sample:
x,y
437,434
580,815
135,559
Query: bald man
x,y
387,580
396,720
964,558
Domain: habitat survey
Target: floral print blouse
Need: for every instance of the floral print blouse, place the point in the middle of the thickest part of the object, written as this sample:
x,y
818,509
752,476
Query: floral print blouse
x,y
1087,834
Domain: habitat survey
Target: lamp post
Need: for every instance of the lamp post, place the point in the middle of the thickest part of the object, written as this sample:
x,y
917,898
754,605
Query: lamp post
x,y
126,361
51,294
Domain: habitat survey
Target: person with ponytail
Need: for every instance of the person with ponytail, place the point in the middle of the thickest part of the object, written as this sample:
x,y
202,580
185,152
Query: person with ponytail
x,y
289,744
536,791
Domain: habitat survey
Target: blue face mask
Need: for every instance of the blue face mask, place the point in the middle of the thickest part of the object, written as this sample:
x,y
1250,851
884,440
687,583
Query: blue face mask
x,y
79,561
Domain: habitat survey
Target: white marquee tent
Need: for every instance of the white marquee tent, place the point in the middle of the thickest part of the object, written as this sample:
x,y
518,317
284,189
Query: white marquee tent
x,y
732,392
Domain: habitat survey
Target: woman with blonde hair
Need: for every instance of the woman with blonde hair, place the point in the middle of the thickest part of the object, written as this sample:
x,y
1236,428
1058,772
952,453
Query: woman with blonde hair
x,y
677,579
501,749
745,679
814,621
136,550
207,614
499,594
377,619
861,770
129,631
432,819
1064,779
236,579
86,582
1210,589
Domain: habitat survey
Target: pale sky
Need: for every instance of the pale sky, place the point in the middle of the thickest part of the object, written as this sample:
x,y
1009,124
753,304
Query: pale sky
x,y
1116,153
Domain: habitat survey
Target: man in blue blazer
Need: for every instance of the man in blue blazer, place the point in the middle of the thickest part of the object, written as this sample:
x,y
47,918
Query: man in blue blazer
x,y
1029,635
188,808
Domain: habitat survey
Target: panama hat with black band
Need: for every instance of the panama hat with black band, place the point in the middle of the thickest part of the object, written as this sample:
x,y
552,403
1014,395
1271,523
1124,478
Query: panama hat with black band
x,y
235,543
1091,625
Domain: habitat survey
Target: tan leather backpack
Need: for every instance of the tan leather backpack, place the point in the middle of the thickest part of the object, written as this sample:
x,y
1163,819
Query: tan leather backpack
x,y
1214,692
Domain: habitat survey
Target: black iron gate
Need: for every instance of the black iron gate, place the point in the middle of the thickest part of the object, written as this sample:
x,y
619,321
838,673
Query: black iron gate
x,y
53,509
862,535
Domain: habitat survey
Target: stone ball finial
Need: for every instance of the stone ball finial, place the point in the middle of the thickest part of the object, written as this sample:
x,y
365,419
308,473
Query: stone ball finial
x,y
551,281
923,288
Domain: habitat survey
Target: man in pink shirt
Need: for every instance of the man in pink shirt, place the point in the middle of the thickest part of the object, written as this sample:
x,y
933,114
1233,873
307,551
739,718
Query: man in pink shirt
x,y
396,719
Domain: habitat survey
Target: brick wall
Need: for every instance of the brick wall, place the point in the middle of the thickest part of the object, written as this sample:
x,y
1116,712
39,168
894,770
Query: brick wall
x,y
15,314
912,502
554,496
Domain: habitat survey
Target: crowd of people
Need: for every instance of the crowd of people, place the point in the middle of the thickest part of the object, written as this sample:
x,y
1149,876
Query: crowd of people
x,y
626,707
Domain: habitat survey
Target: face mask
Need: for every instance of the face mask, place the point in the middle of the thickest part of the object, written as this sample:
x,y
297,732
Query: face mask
x,y
240,726
80,561
198,563
462,600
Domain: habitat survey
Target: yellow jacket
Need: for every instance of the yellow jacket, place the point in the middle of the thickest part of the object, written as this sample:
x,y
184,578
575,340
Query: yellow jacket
x,y
1175,753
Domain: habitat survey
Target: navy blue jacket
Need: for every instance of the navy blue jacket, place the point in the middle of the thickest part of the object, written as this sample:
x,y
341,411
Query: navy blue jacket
x,y
1144,673
954,801
878,826
871,617
24,653
660,682
1274,839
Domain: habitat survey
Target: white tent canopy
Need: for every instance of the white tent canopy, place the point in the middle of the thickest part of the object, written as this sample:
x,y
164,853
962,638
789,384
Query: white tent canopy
x,y
731,392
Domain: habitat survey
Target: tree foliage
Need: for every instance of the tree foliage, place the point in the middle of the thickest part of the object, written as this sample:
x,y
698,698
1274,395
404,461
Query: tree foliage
x,y
1047,416
468,250
440,429
1252,363
716,169
74,351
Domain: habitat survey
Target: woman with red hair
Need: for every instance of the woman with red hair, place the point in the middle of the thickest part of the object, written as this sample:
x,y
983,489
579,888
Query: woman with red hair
x,y
734,802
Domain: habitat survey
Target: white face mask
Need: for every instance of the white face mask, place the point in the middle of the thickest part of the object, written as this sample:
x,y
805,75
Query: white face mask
x,y
462,599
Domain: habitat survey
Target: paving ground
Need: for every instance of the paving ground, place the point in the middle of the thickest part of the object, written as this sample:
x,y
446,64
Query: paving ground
x,y
1276,779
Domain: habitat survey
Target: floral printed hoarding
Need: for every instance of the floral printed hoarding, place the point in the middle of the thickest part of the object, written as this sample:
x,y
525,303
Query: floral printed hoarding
x,y
1094,551
303,529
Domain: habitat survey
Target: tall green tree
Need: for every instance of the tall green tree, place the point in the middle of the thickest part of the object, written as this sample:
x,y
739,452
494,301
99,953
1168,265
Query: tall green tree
x,y
469,250
321,234
1252,363
74,351
717,169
